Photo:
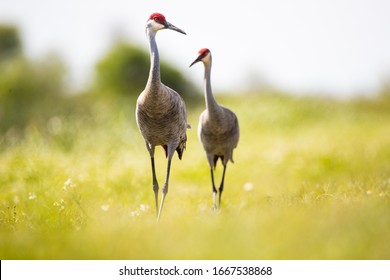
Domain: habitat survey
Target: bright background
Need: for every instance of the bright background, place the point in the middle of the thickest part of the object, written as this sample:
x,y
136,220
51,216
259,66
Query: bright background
x,y
339,47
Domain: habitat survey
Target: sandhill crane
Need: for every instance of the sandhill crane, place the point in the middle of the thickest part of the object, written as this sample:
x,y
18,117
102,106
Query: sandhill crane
x,y
218,128
161,113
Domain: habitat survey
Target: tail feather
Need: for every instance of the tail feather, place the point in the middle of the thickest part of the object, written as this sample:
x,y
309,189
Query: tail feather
x,y
216,157
180,148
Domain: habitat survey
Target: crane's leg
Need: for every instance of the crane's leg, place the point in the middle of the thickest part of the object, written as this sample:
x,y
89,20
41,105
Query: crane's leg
x,y
214,189
165,188
221,186
212,160
155,183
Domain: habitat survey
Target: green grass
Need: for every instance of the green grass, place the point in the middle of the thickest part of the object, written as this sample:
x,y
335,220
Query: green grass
x,y
311,180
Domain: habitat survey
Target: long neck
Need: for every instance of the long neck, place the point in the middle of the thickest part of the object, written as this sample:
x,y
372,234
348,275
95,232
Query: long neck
x,y
154,79
211,104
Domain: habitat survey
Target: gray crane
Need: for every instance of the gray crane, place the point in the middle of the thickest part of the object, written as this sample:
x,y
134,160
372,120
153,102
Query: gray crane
x,y
161,113
218,128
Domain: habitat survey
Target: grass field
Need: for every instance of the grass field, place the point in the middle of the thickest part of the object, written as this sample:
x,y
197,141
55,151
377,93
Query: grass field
x,y
311,180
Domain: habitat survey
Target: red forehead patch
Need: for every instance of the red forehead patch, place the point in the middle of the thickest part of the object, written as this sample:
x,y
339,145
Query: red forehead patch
x,y
157,17
203,52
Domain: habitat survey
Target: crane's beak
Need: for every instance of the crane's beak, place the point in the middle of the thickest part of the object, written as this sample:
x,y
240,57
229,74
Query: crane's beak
x,y
199,58
172,27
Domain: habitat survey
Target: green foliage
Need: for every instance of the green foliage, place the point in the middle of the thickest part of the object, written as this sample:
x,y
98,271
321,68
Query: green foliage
x,y
310,181
125,69
30,91
10,43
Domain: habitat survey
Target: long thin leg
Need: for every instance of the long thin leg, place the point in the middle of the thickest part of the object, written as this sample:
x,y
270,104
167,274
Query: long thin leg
x,y
221,186
165,188
155,184
154,177
214,189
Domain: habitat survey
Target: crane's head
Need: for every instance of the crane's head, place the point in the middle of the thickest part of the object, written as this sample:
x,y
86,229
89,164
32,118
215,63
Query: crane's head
x,y
204,56
158,22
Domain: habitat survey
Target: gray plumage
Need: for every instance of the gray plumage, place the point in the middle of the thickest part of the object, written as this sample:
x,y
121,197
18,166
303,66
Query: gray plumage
x,y
218,128
161,112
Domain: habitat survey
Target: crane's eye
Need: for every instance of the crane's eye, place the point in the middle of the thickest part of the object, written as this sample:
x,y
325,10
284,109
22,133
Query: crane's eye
x,y
157,19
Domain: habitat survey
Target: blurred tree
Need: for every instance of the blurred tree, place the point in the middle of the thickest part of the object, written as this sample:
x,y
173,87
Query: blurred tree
x,y
125,69
30,91
10,43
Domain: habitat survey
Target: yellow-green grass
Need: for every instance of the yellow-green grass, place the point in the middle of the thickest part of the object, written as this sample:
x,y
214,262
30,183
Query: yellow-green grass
x,y
311,180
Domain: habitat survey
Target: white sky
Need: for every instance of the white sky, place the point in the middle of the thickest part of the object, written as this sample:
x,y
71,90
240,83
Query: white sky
x,y
337,46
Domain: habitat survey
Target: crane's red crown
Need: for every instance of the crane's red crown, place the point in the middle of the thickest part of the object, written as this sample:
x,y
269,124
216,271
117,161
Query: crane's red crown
x,y
203,52
157,17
